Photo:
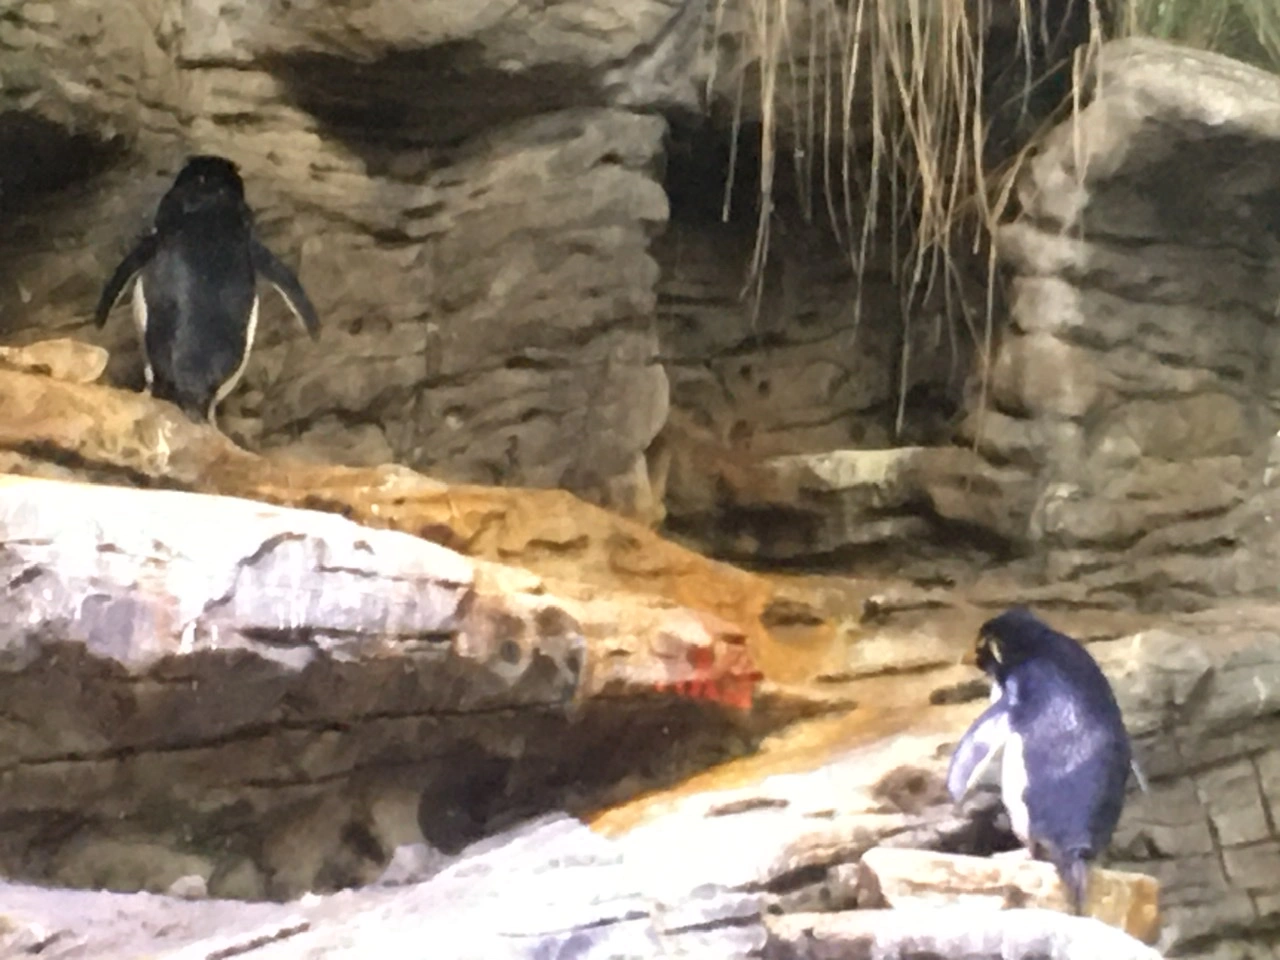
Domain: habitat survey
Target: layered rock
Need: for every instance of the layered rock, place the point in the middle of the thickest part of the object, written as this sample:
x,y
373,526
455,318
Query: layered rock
x,y
1198,694
824,507
1124,439
461,198
274,699
59,429
1202,699
1134,387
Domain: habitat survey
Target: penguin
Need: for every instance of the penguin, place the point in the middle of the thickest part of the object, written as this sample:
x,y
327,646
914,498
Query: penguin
x,y
1057,732
195,302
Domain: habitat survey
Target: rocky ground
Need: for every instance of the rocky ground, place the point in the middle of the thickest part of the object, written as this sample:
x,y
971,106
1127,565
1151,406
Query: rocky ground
x,y
185,715
233,669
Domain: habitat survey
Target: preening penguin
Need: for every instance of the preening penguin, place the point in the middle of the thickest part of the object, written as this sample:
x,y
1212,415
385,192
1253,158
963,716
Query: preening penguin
x,y
1056,729
195,301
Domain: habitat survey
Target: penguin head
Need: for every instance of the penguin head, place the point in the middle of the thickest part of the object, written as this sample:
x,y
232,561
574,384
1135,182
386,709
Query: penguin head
x,y
1008,640
205,181
207,171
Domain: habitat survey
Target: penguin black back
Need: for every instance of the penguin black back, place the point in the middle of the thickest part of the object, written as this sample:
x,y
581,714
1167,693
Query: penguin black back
x,y
195,302
199,287
1074,745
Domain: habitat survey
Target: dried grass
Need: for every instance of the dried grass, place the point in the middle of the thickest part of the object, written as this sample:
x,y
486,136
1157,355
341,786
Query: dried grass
x,y
1246,29
895,131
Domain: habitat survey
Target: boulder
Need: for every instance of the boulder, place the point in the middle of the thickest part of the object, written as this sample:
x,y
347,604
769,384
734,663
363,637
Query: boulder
x,y
1132,388
273,699
57,429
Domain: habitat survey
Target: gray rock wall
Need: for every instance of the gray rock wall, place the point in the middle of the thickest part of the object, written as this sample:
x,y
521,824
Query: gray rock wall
x,y
466,207
1202,700
1135,386
475,204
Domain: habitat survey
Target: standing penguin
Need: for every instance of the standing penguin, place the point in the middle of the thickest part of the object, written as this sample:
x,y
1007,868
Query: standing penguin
x,y
1066,754
195,302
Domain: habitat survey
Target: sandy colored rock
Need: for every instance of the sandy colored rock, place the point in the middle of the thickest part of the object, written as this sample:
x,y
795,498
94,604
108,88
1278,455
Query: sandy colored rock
x,y
898,878
62,359
273,699
948,932
577,548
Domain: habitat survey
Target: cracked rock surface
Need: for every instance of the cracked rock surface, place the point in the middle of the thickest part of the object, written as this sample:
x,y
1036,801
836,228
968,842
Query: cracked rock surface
x,y
274,699
467,191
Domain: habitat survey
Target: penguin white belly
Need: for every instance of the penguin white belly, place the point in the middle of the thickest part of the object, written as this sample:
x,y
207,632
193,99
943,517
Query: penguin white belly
x,y
1013,787
140,321
230,383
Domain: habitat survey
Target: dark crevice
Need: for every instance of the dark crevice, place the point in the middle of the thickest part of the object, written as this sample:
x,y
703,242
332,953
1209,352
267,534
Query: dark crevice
x,y
38,157
95,471
439,97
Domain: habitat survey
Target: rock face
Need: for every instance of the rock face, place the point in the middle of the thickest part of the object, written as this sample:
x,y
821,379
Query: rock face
x,y
272,700
471,200
1122,450
468,210
1202,700
474,198
313,654
1135,387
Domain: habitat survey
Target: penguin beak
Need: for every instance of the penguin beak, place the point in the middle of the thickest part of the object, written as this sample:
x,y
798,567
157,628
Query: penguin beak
x,y
987,650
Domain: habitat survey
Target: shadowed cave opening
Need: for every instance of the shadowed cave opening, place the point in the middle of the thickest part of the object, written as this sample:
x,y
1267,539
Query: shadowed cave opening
x,y
827,354
714,188
39,158
440,97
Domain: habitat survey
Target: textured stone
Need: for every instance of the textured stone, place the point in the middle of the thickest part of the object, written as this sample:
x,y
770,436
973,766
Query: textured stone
x,y
1235,805
581,550
1027,378
906,879
1198,696
1199,700
62,359
273,699
810,366
819,505
460,197
948,932
474,215
1145,319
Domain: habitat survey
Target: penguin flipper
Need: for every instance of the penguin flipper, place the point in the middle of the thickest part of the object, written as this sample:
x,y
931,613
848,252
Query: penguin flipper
x,y
977,750
273,269
129,267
